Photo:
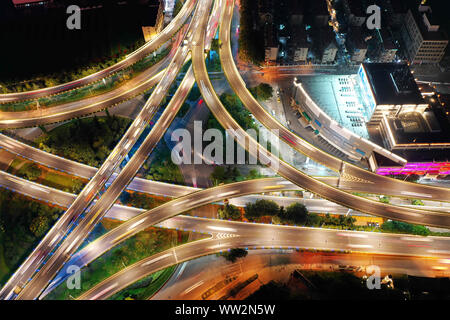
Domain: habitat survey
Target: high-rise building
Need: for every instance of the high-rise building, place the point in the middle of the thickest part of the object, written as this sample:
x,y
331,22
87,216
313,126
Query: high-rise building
x,y
155,21
389,89
271,45
299,46
354,9
327,45
357,45
425,42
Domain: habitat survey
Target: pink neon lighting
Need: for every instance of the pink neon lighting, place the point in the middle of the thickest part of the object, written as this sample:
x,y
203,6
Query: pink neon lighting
x,y
441,168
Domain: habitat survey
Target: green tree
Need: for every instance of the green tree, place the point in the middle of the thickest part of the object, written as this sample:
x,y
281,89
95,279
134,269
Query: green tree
x,y
229,212
262,92
234,254
403,227
140,200
385,199
39,225
215,45
33,172
295,213
261,208
194,94
218,175
253,174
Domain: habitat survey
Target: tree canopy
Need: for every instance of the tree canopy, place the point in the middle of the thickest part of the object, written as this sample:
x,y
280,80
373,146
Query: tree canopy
x,y
261,208
88,140
263,91
229,212
234,254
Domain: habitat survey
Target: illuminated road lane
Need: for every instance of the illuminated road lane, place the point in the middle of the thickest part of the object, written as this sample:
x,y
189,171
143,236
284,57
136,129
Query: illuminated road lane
x,y
76,238
161,38
26,271
268,237
290,173
389,185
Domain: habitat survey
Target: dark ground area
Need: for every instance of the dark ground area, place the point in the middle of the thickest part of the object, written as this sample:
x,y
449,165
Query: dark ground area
x,y
37,42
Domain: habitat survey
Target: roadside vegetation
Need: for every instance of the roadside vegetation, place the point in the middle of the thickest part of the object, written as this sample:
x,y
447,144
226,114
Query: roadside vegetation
x,y
268,211
233,254
142,200
89,91
213,62
237,110
23,222
160,167
403,227
417,202
108,35
231,174
251,41
294,214
132,250
46,176
262,91
146,287
87,140
229,211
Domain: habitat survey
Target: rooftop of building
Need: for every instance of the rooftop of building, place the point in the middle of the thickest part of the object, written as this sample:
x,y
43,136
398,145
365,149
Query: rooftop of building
x,y
270,39
427,33
325,37
299,38
398,6
386,38
414,156
297,7
430,126
318,8
357,8
357,39
392,83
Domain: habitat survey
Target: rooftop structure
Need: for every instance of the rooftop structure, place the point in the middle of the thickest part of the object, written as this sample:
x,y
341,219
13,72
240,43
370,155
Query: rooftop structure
x,y
318,10
298,45
389,89
357,45
331,105
297,8
154,20
392,83
424,40
327,47
355,11
423,138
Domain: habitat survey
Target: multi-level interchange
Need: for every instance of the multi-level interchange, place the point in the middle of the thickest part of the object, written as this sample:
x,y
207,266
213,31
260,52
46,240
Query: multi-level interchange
x,y
190,34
